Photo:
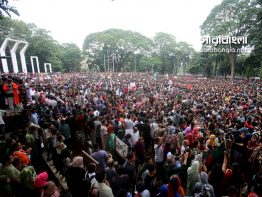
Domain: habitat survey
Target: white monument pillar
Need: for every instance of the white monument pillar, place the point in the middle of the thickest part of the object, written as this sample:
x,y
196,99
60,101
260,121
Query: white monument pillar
x,y
22,57
13,56
2,53
50,67
32,63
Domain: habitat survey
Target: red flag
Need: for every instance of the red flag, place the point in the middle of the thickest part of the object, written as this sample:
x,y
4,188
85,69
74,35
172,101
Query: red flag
x,y
189,86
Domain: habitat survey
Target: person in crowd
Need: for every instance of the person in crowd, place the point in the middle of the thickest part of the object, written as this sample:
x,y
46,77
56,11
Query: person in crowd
x,y
9,170
174,187
150,179
94,192
2,123
141,190
121,180
91,174
194,128
28,179
41,181
75,177
139,150
103,185
111,139
193,176
110,171
100,156
50,190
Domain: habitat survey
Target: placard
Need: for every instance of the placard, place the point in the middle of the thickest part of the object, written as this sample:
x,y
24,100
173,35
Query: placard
x,y
121,148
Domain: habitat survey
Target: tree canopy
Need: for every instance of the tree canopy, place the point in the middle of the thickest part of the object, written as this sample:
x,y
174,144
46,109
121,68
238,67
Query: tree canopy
x,y
6,9
42,45
234,18
124,50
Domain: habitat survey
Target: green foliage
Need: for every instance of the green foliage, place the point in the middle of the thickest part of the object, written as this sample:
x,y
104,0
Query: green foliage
x,y
260,72
241,66
195,64
71,57
125,49
115,45
232,18
201,63
14,29
42,45
66,57
171,53
255,38
165,47
6,9
252,64
146,63
255,33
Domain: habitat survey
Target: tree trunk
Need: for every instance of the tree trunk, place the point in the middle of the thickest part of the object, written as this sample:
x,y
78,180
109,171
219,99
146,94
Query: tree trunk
x,y
216,67
232,59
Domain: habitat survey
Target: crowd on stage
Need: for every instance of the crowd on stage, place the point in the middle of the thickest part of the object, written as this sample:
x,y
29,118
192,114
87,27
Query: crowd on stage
x,y
182,136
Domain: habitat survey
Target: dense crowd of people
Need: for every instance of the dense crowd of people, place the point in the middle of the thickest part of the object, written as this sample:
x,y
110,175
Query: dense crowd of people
x,y
184,136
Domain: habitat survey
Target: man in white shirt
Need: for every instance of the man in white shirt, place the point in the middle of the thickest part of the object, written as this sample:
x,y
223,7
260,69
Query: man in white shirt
x,y
129,125
159,154
135,136
103,185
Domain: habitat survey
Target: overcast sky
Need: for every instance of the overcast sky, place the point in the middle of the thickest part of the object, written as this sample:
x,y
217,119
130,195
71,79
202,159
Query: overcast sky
x,y
73,20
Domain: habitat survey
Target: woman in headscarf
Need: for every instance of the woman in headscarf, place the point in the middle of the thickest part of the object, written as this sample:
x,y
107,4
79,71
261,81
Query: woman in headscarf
x,y
175,188
206,185
41,181
193,176
111,139
190,139
28,176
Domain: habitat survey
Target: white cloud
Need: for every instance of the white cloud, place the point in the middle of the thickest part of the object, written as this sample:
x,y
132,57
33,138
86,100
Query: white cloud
x,y
72,21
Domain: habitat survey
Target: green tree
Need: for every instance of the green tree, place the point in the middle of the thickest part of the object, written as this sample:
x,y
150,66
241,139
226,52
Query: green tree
x,y
165,47
147,63
7,9
102,48
201,63
255,39
231,18
71,57
14,29
184,54
42,45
